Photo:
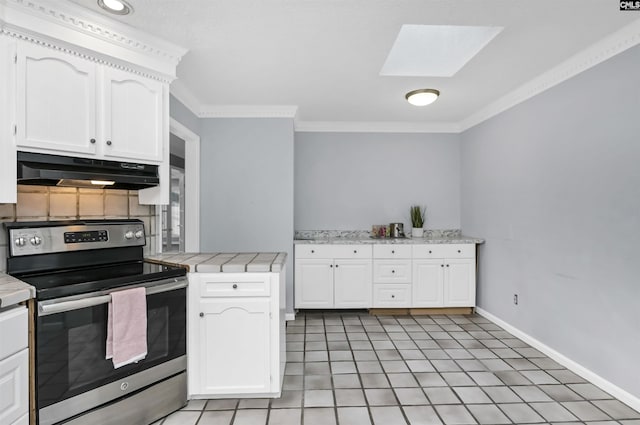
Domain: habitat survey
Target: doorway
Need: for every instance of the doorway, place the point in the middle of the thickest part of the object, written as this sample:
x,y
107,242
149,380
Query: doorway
x,y
173,215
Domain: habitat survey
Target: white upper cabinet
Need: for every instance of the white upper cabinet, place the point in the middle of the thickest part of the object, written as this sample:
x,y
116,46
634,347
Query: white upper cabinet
x,y
56,101
132,116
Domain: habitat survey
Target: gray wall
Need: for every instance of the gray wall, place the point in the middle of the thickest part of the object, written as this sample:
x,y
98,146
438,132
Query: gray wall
x,y
553,184
246,187
353,180
183,115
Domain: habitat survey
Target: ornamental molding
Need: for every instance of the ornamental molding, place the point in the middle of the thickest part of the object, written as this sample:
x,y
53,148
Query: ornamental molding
x,y
61,25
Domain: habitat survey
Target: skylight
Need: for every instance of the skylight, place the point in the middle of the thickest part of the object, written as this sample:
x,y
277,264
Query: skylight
x,y
435,50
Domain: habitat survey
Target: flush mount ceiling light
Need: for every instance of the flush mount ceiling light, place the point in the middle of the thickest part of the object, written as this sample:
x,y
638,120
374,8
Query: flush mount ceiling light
x,y
422,97
117,7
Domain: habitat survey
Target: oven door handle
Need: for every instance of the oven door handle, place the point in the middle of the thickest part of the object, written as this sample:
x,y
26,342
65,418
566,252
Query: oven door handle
x,y
46,308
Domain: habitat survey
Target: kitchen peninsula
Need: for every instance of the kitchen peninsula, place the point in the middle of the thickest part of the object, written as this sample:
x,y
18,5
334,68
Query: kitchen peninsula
x,y
236,322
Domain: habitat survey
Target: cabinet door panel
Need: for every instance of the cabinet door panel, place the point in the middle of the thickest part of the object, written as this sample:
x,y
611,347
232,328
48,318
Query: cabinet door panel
x,y
352,284
132,117
14,387
428,276
56,100
314,284
460,283
392,271
234,341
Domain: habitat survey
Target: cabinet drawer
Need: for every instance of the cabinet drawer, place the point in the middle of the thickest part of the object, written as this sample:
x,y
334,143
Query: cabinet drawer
x,y
444,251
392,271
235,285
391,251
392,295
351,251
13,328
313,251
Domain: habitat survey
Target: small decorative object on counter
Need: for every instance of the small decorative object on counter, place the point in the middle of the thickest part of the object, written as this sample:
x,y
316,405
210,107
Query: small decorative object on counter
x,y
379,231
417,220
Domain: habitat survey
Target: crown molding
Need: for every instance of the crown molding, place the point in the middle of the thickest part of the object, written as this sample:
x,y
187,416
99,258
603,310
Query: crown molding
x,y
63,23
598,52
376,127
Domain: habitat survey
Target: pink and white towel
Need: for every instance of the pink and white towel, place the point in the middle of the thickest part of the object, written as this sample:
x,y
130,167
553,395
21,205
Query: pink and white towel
x,y
127,327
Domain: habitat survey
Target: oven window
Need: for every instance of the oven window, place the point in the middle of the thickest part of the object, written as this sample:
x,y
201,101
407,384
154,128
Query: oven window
x,y
71,346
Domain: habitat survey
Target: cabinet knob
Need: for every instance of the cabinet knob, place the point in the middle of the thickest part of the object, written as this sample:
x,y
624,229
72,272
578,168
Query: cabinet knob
x,y
235,286
447,265
336,266
429,251
393,296
92,141
109,142
441,265
355,251
392,251
201,314
393,271
312,251
331,265
459,251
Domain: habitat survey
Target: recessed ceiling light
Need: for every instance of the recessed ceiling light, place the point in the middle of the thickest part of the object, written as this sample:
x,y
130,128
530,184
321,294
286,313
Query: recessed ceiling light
x,y
117,7
422,97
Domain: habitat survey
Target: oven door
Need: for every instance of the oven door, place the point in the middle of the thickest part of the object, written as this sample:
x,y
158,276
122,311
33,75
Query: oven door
x,y
72,374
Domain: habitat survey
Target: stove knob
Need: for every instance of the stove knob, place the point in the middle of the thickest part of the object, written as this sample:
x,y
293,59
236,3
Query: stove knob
x,y
36,240
20,241
128,235
139,234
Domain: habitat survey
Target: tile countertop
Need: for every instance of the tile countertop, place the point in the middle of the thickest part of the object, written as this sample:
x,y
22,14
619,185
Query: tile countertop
x,y
14,291
223,262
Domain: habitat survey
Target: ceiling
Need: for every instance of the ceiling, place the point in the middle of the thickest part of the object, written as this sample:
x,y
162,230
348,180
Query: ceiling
x,y
325,56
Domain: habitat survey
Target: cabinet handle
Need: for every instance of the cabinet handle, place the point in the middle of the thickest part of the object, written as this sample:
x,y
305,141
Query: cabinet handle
x,y
92,141
235,286
108,142
201,314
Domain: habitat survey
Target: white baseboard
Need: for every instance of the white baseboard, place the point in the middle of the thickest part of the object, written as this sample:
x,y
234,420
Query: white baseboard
x,y
290,316
622,395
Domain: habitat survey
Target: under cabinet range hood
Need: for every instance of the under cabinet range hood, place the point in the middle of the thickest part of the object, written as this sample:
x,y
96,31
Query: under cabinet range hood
x,y
56,170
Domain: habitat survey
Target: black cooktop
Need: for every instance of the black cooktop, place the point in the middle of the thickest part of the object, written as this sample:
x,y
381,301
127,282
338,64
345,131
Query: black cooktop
x,y
76,281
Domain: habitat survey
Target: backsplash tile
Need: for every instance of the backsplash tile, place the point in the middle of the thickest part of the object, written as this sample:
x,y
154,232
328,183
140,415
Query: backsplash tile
x,y
43,203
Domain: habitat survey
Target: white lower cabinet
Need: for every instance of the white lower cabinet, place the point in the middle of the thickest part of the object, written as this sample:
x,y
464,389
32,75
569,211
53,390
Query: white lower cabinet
x,y
385,276
333,276
14,367
236,334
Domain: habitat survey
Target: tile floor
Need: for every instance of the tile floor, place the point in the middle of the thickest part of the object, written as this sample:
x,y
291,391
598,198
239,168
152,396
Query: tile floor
x,y
351,368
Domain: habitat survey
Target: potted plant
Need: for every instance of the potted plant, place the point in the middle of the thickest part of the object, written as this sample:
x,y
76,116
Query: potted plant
x,y
417,220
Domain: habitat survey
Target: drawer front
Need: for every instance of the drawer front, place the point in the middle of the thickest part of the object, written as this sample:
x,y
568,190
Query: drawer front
x,y
392,271
313,251
444,251
392,295
14,331
352,251
391,251
235,285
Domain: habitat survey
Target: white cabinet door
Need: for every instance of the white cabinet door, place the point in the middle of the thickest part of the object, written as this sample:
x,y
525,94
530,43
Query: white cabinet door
x,y
352,284
8,193
314,283
132,117
428,277
14,387
234,346
56,101
460,283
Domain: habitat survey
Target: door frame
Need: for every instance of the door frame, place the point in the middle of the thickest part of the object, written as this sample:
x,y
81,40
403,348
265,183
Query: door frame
x,y
191,189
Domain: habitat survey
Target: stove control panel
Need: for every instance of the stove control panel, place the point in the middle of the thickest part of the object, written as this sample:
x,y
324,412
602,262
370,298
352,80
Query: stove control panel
x,y
50,239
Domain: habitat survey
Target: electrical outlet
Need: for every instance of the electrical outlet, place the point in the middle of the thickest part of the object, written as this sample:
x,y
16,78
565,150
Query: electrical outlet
x,y
515,299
